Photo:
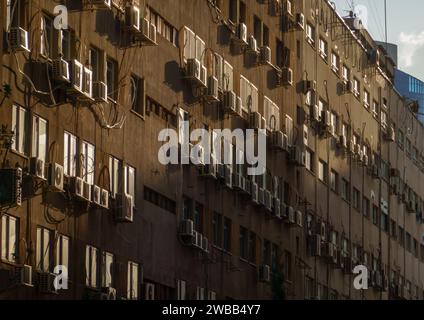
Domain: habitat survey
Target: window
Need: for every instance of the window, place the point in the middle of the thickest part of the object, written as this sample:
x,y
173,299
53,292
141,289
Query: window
x,y
217,229
39,138
9,238
334,122
138,97
400,139
345,73
244,243
114,174
46,44
97,64
252,247
345,190
266,254
375,215
356,199
334,181
248,95
384,119
43,249
310,34
309,156
289,129
401,236
366,207
227,235
408,241
91,256
287,258
356,88
87,162
133,283
335,62
62,251
111,79
70,154
198,217
375,108
20,129
323,49
107,270
18,18
129,181
322,171
66,40
367,99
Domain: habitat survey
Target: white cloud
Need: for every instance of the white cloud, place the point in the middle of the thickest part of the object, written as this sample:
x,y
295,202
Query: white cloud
x,y
409,44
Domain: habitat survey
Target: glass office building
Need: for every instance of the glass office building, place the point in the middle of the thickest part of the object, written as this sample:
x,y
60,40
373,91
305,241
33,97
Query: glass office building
x,y
411,88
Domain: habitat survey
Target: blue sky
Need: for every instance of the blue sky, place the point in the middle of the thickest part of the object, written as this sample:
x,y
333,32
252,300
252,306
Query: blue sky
x,y
405,27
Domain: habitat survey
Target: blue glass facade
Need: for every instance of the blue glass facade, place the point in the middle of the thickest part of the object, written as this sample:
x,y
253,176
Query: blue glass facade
x,y
412,88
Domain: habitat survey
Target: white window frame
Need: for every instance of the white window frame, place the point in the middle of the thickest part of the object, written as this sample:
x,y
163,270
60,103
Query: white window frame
x,y
70,154
9,238
271,111
88,162
129,180
323,48
62,251
91,269
114,175
289,129
39,137
248,94
20,128
43,249
46,26
181,290
310,33
107,269
133,275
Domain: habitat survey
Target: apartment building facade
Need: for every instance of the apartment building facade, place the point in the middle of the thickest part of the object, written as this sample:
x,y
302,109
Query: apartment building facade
x,y
82,109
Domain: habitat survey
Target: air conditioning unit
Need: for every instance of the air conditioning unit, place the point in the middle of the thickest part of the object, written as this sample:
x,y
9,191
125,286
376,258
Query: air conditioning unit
x,y
315,114
108,293
24,275
299,219
241,36
230,102
186,228
265,273
100,91
205,244
88,83
291,215
19,39
132,18
287,77
283,211
95,195
11,182
265,55
296,157
276,207
326,118
254,188
278,141
309,85
203,77
239,182
193,70
56,177
86,191
332,252
300,21
268,200
37,168
347,86
197,240
316,245
365,160
209,170
60,71
342,142
228,176
252,45
77,75
46,282
124,208
255,120
212,89
390,134
104,198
